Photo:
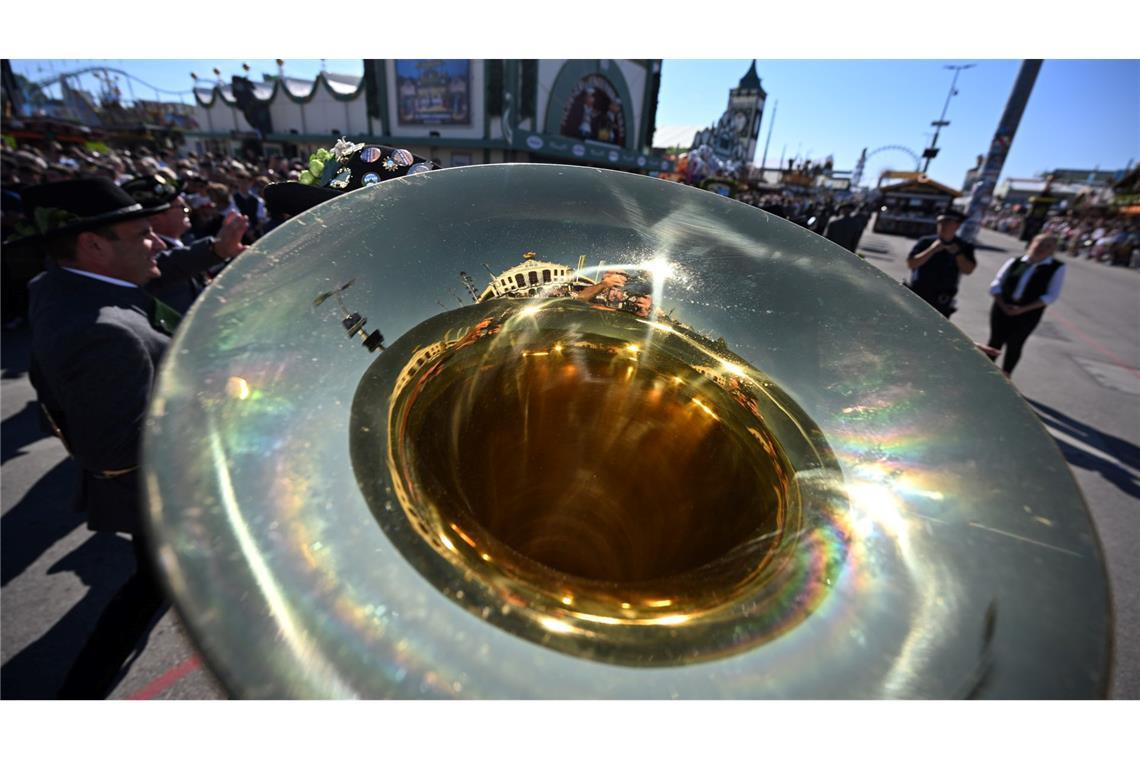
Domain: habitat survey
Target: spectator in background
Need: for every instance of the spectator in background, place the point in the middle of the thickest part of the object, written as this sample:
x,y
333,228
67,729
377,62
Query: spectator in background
x,y
248,204
937,262
844,228
206,213
180,286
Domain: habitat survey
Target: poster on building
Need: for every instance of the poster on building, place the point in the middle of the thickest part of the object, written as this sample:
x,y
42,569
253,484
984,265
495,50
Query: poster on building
x,y
593,112
433,91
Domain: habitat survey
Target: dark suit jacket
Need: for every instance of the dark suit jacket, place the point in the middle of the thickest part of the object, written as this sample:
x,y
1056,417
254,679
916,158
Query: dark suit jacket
x,y
95,356
844,230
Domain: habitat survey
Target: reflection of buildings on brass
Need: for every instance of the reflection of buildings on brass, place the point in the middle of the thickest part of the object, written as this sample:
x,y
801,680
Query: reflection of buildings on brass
x,y
536,279
627,288
427,355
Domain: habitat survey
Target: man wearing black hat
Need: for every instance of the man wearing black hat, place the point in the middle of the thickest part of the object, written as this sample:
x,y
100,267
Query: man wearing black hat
x,y
97,339
937,262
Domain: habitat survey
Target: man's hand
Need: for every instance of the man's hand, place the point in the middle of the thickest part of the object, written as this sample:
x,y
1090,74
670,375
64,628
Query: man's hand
x,y
993,353
614,280
228,242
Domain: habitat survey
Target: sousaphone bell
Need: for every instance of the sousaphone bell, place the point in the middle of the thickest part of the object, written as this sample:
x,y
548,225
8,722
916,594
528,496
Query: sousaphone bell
x,y
543,431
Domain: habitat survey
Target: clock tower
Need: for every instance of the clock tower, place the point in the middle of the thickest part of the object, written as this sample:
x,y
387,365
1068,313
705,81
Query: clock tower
x,y
733,137
746,102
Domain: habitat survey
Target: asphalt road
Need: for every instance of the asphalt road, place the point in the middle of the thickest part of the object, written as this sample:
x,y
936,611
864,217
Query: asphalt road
x,y
57,576
1079,372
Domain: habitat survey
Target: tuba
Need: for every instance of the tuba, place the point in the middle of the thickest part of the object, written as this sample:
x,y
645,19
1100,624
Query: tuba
x,y
543,431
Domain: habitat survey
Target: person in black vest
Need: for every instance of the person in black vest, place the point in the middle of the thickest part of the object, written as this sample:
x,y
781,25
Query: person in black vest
x,y
937,262
1021,290
97,339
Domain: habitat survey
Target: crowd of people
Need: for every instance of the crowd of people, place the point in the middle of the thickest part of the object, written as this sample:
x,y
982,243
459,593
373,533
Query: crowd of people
x,y
212,184
211,187
103,255
1100,236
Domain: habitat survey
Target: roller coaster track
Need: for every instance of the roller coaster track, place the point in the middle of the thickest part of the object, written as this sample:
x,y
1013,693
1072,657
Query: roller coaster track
x,y
56,78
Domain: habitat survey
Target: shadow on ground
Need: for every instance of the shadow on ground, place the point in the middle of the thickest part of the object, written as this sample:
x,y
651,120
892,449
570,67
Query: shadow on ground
x,y
44,516
103,563
1116,450
15,353
21,429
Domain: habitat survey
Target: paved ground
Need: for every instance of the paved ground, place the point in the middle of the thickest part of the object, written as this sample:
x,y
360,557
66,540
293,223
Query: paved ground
x,y
1079,371
56,575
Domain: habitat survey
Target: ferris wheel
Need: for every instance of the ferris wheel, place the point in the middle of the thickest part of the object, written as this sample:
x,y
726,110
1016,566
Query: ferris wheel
x,y
882,164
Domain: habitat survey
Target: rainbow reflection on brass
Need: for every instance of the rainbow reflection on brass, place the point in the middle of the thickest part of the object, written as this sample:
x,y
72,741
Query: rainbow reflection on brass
x,y
613,487
243,413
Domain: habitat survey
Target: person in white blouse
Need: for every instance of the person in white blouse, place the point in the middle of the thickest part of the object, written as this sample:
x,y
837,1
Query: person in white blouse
x,y
1022,289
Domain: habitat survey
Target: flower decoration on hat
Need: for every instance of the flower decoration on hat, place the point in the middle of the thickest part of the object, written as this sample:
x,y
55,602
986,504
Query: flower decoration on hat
x,y
344,167
326,159
316,167
49,219
343,149
44,221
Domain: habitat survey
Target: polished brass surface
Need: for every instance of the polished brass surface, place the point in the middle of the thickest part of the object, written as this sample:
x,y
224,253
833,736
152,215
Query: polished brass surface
x,y
671,447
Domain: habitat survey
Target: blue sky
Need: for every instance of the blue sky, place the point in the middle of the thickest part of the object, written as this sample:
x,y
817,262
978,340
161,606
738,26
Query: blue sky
x,y
1082,114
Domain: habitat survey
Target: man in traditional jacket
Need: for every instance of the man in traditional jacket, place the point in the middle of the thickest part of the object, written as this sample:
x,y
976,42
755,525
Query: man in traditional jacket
x,y
97,339
1022,289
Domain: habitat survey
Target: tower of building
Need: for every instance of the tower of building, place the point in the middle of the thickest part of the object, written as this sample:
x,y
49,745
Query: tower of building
x,y
733,137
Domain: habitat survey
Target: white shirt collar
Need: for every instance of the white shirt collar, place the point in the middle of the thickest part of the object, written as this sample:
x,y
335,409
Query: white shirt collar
x,y
104,278
1045,260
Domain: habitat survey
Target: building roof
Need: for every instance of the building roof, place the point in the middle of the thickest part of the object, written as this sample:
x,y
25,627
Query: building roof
x,y
921,183
1035,185
751,80
341,86
1087,176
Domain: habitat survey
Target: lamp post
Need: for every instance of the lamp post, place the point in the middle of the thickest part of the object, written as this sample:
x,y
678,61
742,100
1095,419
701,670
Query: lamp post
x,y
932,151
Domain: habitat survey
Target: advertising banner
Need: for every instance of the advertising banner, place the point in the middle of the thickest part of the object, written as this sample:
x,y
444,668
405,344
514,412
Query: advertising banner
x,y
435,92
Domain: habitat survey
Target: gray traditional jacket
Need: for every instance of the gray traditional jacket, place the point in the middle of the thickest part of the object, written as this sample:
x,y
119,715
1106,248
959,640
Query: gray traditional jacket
x,y
96,348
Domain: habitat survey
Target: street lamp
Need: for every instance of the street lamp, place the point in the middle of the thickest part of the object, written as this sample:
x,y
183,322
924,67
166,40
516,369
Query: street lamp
x,y
932,151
